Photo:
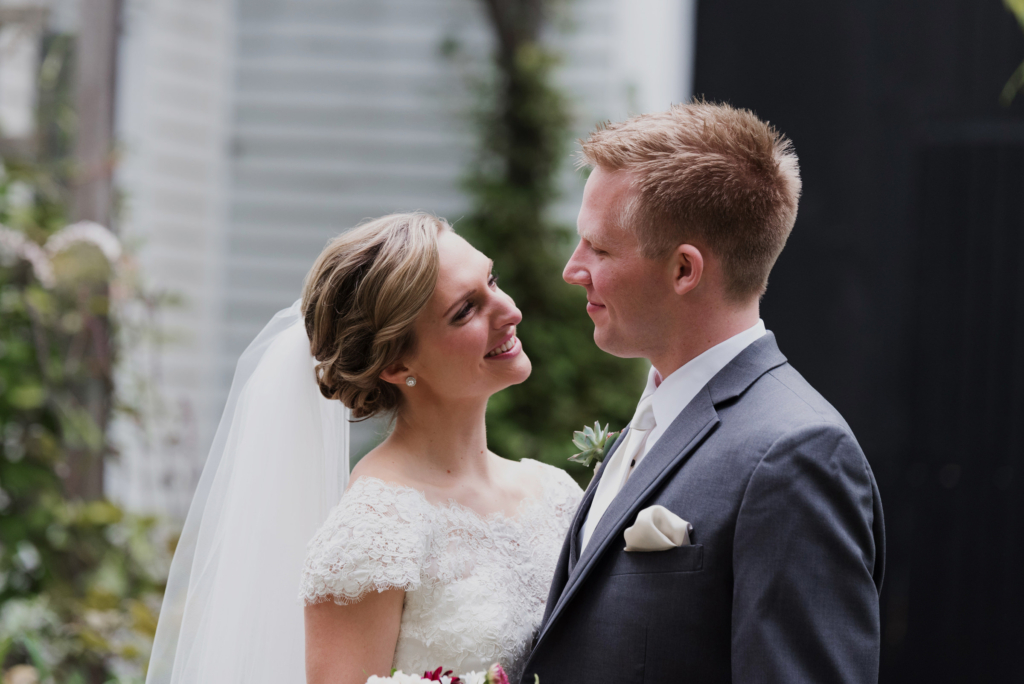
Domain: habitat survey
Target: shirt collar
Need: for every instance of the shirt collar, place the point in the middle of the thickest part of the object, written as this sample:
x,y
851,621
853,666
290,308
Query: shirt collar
x,y
673,393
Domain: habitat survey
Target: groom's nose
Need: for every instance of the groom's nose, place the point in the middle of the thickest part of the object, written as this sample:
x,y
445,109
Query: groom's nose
x,y
575,273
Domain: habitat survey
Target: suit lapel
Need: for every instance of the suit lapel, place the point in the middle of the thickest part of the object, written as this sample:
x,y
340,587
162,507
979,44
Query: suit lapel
x,y
588,498
685,434
678,442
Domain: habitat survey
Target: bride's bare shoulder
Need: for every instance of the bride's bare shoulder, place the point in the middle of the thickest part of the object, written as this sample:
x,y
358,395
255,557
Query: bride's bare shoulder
x,y
382,464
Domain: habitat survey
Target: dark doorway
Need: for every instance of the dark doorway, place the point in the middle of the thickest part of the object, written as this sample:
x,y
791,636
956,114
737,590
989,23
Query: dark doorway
x,y
901,293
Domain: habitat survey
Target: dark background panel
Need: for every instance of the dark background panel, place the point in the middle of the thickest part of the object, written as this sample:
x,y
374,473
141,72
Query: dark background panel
x,y
900,295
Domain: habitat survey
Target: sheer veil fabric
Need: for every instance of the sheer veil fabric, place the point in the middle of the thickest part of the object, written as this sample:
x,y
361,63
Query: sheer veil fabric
x,y
278,464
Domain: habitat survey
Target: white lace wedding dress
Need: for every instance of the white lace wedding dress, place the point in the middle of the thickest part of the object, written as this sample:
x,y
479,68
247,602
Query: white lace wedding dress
x,y
475,586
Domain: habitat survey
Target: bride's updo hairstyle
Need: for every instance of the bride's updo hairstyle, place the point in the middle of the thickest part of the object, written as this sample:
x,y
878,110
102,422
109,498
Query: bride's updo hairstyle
x,y
360,302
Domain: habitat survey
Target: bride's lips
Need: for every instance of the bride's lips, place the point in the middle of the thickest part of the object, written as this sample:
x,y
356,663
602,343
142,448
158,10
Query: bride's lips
x,y
510,346
593,308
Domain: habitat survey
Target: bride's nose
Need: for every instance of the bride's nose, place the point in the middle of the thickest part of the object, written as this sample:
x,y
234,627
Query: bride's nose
x,y
507,313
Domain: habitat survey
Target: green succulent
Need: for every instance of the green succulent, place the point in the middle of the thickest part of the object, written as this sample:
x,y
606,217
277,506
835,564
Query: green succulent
x,y
593,443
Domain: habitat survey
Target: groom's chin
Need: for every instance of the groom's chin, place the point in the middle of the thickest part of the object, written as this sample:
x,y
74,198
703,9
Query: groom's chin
x,y
612,344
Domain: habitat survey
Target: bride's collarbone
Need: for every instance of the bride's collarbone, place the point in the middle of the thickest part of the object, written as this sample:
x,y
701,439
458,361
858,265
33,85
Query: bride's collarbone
x,y
504,494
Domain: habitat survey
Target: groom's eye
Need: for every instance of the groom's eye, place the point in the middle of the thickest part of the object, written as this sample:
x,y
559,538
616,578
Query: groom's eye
x,y
493,280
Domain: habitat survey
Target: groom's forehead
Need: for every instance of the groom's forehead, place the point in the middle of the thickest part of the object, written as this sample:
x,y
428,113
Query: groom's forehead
x,y
601,227
605,197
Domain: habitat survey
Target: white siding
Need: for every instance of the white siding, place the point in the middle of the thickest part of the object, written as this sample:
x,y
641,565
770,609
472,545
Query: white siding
x,y
173,90
340,110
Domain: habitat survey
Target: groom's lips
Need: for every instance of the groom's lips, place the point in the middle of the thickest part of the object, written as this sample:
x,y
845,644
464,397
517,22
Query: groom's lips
x,y
592,307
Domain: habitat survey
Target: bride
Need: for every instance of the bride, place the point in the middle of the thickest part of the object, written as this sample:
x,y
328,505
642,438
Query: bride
x,y
436,552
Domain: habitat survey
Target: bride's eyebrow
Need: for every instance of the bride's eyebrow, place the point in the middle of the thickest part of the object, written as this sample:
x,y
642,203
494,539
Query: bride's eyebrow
x,y
460,300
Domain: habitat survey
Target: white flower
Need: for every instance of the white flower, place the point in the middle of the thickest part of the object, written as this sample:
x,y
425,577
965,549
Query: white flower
x,y
20,616
86,231
398,677
14,245
474,678
28,556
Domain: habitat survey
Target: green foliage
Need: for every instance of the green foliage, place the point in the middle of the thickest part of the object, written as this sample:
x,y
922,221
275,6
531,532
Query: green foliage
x,y
522,127
80,581
593,443
1016,80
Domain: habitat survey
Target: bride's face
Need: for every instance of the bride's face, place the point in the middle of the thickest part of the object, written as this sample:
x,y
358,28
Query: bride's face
x,y
466,343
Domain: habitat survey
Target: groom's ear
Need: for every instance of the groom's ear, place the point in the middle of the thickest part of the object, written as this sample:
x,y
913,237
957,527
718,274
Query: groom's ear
x,y
688,268
396,374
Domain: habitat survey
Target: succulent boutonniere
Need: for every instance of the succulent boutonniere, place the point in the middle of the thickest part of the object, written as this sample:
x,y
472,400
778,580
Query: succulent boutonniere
x,y
593,443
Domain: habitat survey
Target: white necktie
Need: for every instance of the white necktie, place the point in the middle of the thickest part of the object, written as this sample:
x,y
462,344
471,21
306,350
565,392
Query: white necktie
x,y
617,470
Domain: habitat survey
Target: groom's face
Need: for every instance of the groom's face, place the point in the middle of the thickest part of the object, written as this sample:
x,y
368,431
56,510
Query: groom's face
x,y
625,291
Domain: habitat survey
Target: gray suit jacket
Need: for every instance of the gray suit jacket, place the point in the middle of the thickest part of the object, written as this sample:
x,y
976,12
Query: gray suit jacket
x,y
781,581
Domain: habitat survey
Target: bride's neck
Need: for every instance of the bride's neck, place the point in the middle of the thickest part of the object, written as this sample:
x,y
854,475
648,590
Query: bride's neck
x,y
443,439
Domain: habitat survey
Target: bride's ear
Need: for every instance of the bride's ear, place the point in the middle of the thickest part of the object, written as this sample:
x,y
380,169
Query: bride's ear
x,y
395,374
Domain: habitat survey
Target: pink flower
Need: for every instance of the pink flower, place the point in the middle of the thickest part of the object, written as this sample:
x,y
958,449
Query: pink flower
x,y
496,675
436,675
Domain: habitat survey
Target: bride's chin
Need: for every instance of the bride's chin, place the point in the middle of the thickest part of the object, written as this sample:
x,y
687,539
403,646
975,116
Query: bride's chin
x,y
523,367
517,373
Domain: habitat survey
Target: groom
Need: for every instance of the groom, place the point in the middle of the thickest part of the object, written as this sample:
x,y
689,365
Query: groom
x,y
765,560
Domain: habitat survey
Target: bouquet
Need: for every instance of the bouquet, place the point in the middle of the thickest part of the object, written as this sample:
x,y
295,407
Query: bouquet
x,y
494,675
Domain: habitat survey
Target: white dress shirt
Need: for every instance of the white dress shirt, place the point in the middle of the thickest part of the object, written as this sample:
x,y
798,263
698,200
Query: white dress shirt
x,y
672,395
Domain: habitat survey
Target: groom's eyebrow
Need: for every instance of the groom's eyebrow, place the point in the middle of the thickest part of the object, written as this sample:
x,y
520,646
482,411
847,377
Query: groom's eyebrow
x,y
469,294
584,234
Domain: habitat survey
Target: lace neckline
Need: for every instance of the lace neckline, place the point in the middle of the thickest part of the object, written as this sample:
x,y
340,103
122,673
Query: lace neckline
x,y
453,505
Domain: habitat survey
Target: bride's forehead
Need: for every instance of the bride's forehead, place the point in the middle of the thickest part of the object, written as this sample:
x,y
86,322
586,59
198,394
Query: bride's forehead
x,y
459,259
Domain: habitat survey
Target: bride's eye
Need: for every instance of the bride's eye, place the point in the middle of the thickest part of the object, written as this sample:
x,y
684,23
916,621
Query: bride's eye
x,y
463,312
493,280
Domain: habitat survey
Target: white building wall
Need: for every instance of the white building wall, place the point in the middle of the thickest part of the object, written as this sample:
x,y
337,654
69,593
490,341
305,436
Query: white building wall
x,y
174,90
321,113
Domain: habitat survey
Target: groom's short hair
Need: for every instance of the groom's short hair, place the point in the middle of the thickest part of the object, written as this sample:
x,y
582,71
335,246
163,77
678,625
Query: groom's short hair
x,y
710,174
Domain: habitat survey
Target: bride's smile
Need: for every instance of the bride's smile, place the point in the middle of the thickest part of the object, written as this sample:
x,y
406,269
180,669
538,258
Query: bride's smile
x,y
507,349
466,342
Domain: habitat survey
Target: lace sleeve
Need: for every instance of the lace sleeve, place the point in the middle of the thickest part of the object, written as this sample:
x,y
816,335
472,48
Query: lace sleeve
x,y
568,494
376,538
562,494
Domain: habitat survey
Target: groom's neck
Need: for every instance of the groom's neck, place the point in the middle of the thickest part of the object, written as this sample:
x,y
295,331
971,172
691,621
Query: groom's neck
x,y
695,329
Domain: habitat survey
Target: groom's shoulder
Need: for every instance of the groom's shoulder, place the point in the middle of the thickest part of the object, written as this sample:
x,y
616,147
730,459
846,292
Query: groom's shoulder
x,y
783,420
803,396
785,401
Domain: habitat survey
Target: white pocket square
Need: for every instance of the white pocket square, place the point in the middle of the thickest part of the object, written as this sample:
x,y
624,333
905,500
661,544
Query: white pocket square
x,y
657,529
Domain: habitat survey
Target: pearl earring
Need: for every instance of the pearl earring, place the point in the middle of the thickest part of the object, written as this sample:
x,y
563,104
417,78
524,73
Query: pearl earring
x,y
410,381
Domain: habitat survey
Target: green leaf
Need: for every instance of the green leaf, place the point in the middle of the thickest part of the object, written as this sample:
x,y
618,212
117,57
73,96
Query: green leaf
x,y
5,647
41,300
27,397
35,654
1012,86
1017,7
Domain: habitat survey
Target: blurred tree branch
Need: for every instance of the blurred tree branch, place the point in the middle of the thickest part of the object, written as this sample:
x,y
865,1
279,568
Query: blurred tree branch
x,y
95,74
523,120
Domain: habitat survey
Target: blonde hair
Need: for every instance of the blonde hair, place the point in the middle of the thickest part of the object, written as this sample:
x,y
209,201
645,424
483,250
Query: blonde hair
x,y
360,302
710,174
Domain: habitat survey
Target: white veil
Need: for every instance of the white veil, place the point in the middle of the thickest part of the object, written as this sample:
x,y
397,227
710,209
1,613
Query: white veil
x,y
278,464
